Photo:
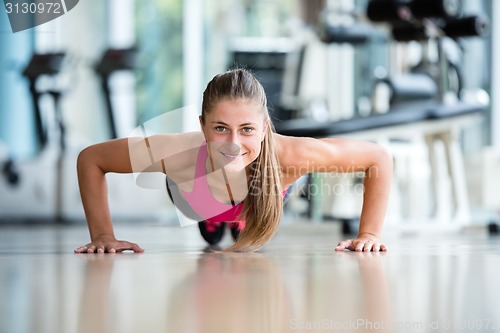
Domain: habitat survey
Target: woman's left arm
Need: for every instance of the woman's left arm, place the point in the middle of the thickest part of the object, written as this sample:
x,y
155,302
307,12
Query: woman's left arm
x,y
307,155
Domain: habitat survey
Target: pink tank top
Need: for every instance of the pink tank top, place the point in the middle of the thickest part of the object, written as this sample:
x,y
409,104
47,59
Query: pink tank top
x,y
201,199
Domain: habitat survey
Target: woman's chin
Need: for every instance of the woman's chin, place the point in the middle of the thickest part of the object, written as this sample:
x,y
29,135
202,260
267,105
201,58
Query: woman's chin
x,y
236,165
233,166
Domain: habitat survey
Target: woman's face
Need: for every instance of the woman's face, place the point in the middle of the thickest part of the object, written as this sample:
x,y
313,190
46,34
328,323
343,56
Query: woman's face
x,y
234,130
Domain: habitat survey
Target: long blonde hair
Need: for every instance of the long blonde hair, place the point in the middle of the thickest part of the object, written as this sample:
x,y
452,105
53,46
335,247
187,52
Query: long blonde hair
x,y
263,206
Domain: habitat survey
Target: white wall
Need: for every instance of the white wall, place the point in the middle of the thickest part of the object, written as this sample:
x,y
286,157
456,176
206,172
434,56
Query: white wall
x,y
82,33
193,61
495,75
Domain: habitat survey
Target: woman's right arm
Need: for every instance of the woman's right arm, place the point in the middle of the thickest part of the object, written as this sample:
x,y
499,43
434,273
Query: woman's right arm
x,y
93,164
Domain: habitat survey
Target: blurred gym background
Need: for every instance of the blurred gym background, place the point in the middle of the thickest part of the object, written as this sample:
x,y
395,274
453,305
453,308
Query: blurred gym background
x,y
417,76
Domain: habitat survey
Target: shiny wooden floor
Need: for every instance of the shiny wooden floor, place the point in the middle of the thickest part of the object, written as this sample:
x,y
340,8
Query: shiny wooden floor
x,y
426,283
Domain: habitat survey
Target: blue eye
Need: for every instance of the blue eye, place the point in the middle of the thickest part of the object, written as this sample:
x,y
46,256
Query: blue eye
x,y
248,129
220,129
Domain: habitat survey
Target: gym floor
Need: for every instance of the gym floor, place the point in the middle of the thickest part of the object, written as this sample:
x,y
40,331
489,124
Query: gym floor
x,y
427,282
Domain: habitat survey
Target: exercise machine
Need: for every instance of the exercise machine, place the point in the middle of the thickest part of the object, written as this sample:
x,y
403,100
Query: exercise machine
x,y
418,101
27,187
114,60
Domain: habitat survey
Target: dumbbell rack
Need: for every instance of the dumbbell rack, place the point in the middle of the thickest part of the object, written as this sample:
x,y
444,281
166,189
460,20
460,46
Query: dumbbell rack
x,y
428,21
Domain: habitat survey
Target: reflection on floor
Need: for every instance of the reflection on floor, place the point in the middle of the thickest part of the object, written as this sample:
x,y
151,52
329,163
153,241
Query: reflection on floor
x,y
438,283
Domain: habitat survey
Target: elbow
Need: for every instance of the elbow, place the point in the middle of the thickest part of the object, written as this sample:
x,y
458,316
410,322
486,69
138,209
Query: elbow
x,y
386,158
386,161
86,159
82,159
382,163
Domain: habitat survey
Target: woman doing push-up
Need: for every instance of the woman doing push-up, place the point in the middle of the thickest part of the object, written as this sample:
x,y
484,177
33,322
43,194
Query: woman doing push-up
x,y
235,171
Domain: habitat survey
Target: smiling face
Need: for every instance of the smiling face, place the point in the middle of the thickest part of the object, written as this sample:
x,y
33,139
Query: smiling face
x,y
234,130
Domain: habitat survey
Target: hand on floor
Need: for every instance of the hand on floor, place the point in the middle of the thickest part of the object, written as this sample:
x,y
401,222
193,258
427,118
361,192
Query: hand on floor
x,y
365,243
108,244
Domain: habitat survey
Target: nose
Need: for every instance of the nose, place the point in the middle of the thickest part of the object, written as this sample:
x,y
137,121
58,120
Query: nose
x,y
233,144
234,138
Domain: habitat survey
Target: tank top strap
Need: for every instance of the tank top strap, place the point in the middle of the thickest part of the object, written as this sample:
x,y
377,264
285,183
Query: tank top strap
x,y
201,161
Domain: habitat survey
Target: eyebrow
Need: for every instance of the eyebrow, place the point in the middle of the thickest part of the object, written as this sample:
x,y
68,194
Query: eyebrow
x,y
223,123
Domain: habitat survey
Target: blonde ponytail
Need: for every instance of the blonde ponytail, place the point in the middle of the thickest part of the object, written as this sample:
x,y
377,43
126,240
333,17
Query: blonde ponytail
x,y
263,205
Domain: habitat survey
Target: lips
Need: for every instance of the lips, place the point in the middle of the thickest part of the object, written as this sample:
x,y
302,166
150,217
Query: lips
x,y
231,156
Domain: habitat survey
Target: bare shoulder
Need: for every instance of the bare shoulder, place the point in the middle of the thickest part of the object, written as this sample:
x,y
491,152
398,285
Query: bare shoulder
x,y
166,152
296,151
297,155
172,144
328,154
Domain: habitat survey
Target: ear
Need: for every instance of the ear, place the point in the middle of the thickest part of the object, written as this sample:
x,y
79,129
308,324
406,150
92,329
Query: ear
x,y
264,130
202,126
